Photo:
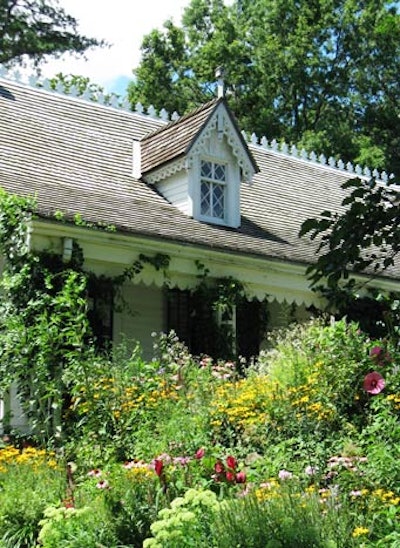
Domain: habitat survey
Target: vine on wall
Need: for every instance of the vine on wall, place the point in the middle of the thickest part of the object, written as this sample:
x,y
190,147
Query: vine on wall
x,y
214,302
45,333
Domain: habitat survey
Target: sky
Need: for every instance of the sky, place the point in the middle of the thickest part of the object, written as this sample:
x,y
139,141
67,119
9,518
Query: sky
x,y
123,23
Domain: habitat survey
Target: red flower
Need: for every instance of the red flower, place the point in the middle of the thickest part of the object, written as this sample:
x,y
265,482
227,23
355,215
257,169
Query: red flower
x,y
374,383
199,453
231,462
241,477
219,467
230,476
158,467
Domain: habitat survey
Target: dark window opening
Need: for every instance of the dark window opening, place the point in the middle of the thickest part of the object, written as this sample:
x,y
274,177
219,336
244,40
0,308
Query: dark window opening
x,y
196,324
100,313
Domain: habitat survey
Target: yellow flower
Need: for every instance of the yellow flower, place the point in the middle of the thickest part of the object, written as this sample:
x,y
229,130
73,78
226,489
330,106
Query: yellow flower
x,y
359,531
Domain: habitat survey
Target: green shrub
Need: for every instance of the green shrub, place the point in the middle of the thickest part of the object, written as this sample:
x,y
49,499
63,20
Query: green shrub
x,y
75,528
187,523
30,480
278,517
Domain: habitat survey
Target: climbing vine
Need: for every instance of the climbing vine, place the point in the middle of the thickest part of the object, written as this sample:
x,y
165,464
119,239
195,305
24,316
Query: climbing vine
x,y
45,332
49,308
220,308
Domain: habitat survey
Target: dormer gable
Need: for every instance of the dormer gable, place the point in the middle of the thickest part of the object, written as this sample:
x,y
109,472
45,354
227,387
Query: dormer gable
x,y
198,163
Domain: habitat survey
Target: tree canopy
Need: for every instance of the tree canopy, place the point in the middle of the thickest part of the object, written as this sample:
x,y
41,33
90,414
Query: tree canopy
x,y
37,28
321,74
362,238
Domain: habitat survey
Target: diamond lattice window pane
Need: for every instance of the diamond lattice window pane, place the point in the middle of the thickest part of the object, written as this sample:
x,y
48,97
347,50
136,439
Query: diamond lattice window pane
x,y
206,169
218,201
219,173
205,198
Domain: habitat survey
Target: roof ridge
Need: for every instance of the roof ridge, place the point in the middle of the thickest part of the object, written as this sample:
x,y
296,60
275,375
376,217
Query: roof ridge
x,y
281,147
113,100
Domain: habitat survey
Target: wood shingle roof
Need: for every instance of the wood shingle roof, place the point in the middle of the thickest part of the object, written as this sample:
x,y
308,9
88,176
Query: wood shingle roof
x,y
76,157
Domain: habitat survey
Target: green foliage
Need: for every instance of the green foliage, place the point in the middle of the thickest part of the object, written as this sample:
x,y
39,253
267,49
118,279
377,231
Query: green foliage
x,y
186,523
75,528
273,519
299,451
127,408
218,306
44,327
362,238
38,29
322,74
44,324
132,502
30,480
45,333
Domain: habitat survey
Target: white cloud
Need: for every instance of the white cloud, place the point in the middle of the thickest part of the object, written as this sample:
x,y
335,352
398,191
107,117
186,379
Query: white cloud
x,y
122,23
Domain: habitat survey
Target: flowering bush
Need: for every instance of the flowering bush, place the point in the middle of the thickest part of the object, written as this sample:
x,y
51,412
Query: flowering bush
x,y
31,479
300,450
186,523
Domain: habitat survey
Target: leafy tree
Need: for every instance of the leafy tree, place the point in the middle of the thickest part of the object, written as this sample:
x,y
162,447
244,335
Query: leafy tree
x,y
362,238
321,73
81,86
37,28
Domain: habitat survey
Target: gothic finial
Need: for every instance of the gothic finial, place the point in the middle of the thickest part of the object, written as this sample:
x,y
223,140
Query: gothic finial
x,y
219,75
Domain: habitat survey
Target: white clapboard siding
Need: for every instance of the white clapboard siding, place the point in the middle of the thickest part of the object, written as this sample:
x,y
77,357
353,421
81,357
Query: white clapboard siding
x,y
175,190
144,317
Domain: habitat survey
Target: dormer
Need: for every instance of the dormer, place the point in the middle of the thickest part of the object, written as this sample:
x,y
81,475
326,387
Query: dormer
x,y
198,164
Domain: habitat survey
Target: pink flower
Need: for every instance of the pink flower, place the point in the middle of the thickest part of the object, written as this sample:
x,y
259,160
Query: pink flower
x,y
219,467
379,355
284,474
311,470
241,477
183,461
374,383
375,351
103,484
230,476
95,473
158,466
231,462
199,453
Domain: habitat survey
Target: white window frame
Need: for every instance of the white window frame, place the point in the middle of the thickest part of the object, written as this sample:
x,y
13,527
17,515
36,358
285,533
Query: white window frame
x,y
214,182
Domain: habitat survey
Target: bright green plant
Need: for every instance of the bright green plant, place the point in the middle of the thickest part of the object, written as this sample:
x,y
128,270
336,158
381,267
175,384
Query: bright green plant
x,y
133,500
126,408
75,528
44,324
272,518
186,523
45,332
30,481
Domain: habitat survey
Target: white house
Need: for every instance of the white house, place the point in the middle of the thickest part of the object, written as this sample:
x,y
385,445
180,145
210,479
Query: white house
x,y
191,189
